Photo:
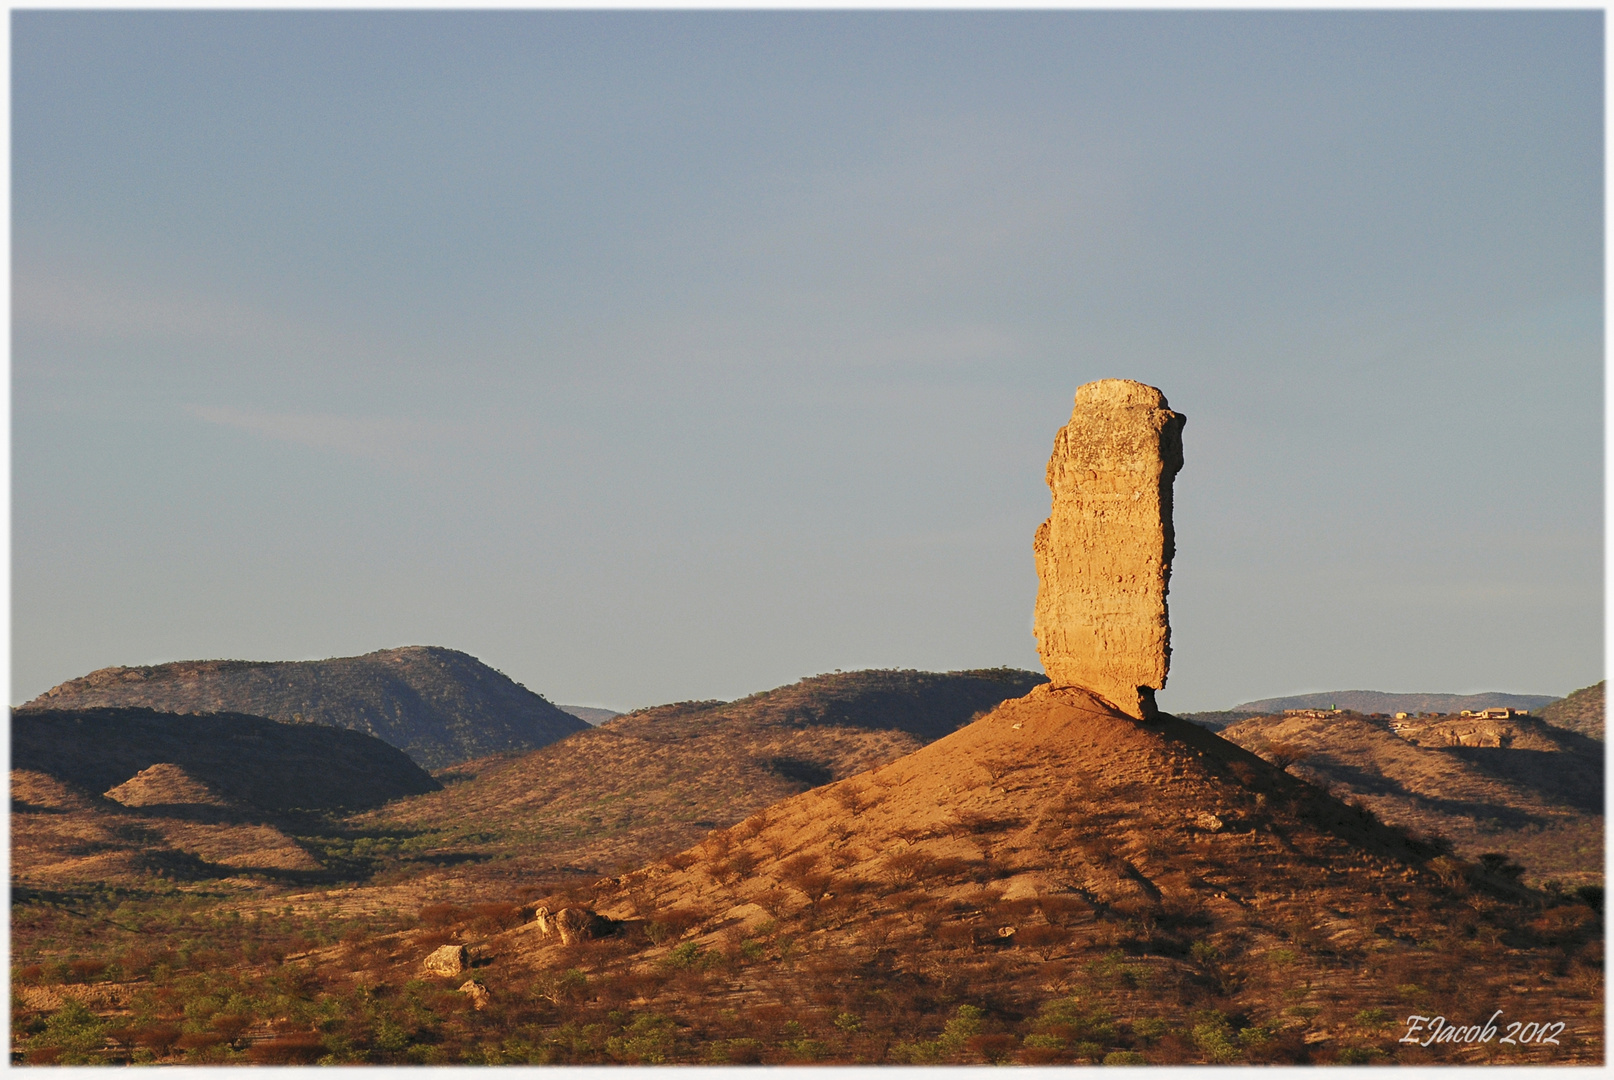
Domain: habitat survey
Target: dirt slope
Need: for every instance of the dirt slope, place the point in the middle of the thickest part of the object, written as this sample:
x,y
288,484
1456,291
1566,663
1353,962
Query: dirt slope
x,y
1056,882
1521,787
437,705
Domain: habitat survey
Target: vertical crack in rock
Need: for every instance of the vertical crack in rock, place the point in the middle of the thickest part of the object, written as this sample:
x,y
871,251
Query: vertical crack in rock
x,y
1104,554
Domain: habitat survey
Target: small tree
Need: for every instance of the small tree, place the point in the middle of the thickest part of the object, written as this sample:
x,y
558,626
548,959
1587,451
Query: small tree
x,y
1284,754
1497,864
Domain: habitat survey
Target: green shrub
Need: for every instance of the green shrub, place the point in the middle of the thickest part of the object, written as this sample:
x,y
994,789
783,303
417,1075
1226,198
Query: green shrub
x,y
1072,1021
807,1049
966,1023
649,1040
1113,970
684,957
1123,1057
1149,1028
75,1032
1214,1037
735,1052
1372,1018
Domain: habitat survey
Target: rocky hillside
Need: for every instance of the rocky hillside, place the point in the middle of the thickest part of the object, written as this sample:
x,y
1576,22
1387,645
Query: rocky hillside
x,y
439,706
656,780
1517,787
1055,883
119,796
65,837
1580,712
1374,701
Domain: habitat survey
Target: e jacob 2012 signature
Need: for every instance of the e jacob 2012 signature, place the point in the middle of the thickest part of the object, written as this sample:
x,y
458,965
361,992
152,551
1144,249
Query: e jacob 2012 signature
x,y
1425,1030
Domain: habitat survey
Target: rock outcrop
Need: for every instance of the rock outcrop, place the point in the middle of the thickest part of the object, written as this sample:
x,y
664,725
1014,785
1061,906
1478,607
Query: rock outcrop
x,y
447,960
477,993
1104,554
573,924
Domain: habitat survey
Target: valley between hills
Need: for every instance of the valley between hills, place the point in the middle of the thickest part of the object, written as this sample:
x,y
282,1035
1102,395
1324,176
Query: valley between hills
x,y
876,866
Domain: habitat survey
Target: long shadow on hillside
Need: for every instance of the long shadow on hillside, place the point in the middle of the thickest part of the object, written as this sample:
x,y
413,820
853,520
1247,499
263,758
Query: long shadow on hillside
x,y
1572,777
1366,782
249,760
1355,825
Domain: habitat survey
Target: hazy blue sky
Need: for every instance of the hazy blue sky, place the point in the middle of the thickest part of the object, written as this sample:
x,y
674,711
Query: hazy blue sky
x,y
652,356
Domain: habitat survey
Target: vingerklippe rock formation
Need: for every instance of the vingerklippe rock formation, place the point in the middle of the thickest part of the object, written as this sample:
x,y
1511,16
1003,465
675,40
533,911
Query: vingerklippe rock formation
x,y
1104,554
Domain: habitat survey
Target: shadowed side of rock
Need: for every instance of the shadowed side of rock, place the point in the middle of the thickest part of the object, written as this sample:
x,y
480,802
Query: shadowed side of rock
x,y
1104,554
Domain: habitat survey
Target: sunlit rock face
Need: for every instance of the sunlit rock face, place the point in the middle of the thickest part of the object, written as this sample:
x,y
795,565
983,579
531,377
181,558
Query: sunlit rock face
x,y
1104,554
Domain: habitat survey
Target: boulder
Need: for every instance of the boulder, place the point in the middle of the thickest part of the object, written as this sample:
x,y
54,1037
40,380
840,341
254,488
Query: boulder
x,y
447,960
580,924
1104,554
477,993
573,924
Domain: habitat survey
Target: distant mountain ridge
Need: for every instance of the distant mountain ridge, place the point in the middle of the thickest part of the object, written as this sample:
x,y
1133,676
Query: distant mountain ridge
x,y
589,714
1368,702
437,705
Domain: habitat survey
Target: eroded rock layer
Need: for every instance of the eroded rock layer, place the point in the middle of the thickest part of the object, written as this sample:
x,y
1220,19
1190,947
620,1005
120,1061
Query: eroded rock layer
x,y
1104,554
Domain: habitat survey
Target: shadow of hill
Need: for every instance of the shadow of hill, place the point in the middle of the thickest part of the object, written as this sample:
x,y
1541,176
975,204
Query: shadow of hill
x,y
1572,777
1535,795
253,761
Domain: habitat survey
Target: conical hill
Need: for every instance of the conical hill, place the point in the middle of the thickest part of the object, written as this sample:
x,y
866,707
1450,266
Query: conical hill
x,y
1058,882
